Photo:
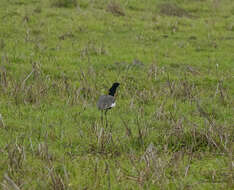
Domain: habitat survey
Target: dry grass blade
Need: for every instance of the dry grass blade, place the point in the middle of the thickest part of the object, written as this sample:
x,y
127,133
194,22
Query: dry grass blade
x,y
171,85
57,181
149,154
2,124
107,171
3,73
128,130
28,76
43,152
9,183
204,114
221,91
3,77
188,166
192,70
16,157
100,135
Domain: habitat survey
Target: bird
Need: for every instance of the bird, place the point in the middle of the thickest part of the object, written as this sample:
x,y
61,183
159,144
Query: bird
x,y
106,102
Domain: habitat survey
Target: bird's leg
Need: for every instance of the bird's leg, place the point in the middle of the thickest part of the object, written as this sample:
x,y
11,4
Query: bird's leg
x,y
102,117
106,117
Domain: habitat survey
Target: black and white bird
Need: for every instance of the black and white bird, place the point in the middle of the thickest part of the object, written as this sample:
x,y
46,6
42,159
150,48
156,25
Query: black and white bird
x,y
106,102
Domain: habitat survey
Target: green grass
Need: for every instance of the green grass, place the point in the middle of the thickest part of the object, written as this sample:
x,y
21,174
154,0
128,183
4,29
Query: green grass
x,y
172,127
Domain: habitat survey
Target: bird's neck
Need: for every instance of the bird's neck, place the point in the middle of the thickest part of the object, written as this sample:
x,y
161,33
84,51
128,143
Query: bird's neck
x,y
112,91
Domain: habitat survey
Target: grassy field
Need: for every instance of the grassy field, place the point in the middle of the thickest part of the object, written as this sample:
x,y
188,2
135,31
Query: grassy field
x,y
173,125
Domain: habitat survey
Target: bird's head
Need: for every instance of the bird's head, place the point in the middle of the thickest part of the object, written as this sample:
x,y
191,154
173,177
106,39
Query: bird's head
x,y
116,84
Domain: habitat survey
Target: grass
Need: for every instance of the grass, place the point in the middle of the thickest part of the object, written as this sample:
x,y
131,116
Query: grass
x,y
172,127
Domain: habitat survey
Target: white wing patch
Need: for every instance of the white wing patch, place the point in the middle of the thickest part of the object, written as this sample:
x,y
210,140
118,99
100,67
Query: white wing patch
x,y
112,105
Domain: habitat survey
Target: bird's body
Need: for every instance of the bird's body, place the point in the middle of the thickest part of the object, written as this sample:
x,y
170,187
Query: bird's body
x,y
106,102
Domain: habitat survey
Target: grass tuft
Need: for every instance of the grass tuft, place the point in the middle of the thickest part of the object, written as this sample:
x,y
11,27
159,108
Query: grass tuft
x,y
170,9
115,8
64,3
